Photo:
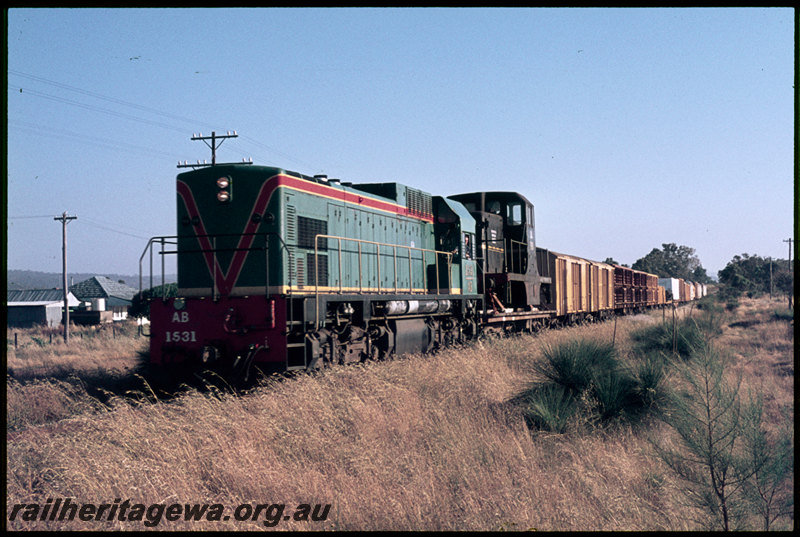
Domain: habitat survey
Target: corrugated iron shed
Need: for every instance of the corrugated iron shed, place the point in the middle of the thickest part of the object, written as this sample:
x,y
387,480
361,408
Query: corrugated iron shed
x,y
39,297
30,307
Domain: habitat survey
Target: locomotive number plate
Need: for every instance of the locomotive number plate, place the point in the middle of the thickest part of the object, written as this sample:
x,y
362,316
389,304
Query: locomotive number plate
x,y
181,336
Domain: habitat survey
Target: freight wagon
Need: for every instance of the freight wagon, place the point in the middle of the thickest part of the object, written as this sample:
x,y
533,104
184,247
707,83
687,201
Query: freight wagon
x,y
576,288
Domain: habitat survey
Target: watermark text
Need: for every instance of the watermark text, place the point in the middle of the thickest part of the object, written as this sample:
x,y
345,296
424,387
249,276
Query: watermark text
x,y
65,509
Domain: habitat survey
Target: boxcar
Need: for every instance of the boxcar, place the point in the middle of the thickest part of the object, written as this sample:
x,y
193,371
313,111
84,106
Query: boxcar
x,y
574,286
634,289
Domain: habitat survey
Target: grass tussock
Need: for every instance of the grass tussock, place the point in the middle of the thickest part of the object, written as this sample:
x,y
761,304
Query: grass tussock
x,y
423,443
587,383
46,400
664,338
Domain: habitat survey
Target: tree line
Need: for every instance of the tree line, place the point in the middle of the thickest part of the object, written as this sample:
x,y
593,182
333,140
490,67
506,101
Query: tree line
x,y
670,261
756,275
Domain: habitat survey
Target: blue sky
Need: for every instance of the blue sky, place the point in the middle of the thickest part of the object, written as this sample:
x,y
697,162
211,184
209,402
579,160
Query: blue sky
x,y
626,128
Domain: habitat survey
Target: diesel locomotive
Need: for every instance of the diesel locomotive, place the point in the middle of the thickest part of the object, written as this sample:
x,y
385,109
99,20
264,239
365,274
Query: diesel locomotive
x,y
281,271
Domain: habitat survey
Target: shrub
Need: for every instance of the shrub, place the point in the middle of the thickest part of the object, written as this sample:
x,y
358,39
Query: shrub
x,y
686,335
550,407
651,377
783,315
573,364
614,391
586,378
731,304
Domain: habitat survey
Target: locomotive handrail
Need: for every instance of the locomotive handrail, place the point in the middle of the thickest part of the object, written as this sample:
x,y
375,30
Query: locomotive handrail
x,y
162,241
378,262
173,240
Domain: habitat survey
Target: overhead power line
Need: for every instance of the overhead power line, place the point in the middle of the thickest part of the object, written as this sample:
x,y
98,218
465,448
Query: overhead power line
x,y
63,134
94,223
98,109
95,95
190,121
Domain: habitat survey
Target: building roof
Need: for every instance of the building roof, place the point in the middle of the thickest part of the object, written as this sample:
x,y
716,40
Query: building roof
x,y
102,287
39,297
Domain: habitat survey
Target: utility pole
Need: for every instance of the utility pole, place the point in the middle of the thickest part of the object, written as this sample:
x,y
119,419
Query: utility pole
x,y
789,264
789,259
216,141
770,279
64,221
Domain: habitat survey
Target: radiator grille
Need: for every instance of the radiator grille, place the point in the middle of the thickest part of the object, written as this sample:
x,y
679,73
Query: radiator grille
x,y
308,229
301,273
419,203
312,272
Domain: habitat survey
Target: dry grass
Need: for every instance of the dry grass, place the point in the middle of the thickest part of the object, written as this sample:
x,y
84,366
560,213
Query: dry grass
x,y
423,443
762,348
41,352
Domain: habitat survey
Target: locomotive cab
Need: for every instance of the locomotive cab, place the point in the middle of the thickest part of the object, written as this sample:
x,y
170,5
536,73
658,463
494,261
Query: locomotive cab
x,y
506,248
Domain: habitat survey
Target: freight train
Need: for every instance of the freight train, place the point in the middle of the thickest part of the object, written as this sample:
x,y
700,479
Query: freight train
x,y
281,271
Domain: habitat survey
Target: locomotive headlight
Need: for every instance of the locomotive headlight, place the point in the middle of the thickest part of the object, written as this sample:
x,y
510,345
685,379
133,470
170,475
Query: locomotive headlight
x,y
225,185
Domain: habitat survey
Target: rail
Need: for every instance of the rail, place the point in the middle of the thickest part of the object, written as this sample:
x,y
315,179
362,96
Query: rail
x,y
377,253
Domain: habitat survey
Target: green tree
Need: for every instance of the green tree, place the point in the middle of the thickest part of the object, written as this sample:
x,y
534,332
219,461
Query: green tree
x,y
769,459
754,274
673,261
140,304
707,415
699,275
784,282
733,468
612,261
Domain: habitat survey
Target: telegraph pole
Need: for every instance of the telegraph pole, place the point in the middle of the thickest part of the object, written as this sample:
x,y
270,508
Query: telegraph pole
x,y
216,141
789,260
770,278
789,263
64,221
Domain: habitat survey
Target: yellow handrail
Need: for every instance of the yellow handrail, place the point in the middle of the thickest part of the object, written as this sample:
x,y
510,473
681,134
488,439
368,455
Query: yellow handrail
x,y
378,245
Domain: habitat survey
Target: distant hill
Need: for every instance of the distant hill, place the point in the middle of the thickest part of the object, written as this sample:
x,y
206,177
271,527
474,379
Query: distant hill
x,y
31,279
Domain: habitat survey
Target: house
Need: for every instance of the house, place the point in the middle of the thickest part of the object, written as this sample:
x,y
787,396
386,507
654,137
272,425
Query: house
x,y
37,306
103,300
